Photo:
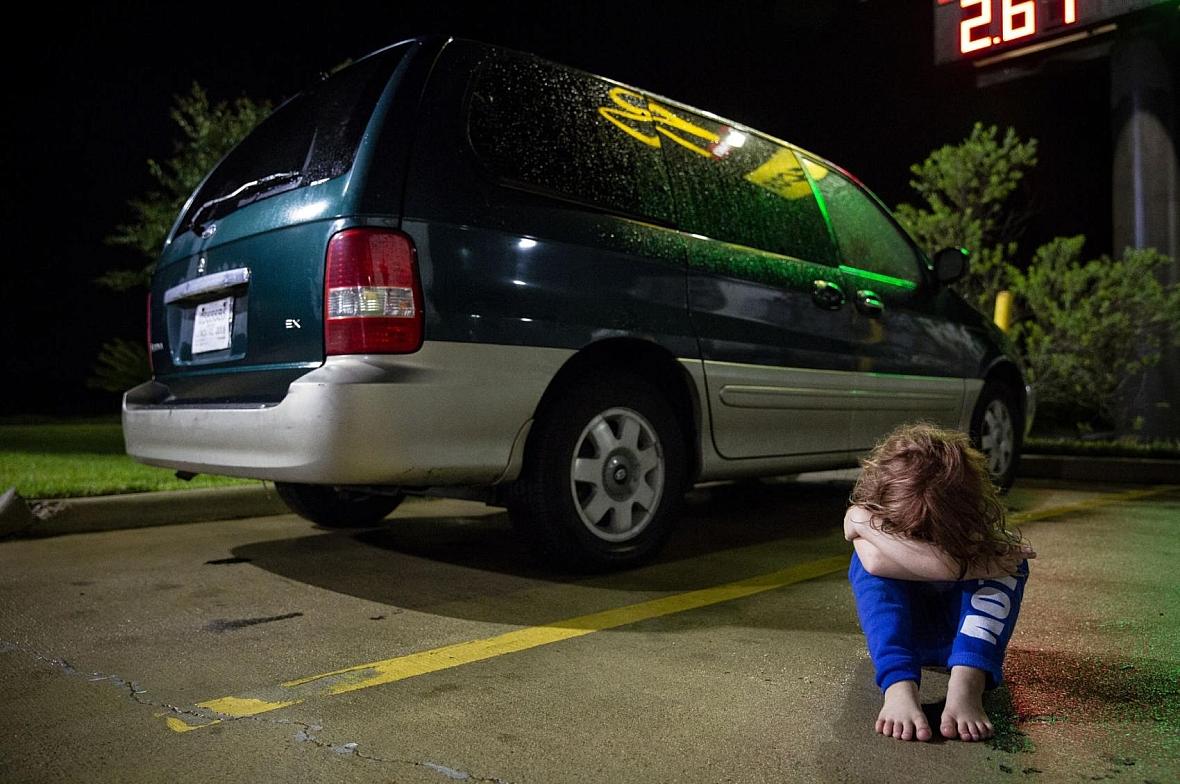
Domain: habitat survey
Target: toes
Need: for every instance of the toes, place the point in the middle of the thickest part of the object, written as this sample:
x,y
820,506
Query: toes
x,y
912,728
966,729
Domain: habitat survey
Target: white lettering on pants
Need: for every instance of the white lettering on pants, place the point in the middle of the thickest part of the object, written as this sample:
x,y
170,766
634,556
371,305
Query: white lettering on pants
x,y
996,605
982,628
992,601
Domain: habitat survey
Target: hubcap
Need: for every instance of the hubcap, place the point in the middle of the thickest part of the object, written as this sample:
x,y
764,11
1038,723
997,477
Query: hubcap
x,y
617,474
997,438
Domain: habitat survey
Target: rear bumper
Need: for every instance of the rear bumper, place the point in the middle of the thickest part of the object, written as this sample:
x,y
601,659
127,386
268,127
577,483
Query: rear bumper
x,y
447,414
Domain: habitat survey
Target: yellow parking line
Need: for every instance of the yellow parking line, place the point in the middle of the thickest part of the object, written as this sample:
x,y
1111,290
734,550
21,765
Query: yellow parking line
x,y
363,676
1089,503
389,670
399,668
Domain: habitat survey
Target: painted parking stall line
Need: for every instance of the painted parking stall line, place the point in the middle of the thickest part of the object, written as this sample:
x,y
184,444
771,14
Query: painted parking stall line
x,y
363,676
1090,503
377,673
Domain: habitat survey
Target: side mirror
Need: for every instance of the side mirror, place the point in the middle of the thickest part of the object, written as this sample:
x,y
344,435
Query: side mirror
x,y
950,264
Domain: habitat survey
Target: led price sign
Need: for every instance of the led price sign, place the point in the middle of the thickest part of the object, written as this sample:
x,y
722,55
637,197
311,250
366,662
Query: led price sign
x,y
968,29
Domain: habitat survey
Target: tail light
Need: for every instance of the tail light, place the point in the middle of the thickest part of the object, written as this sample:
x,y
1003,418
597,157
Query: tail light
x,y
372,296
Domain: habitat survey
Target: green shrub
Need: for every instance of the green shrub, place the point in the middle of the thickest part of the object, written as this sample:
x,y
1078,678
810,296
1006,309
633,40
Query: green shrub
x,y
1091,326
967,191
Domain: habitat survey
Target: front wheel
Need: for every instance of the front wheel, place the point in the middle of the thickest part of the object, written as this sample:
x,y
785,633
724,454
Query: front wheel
x,y
996,431
605,470
337,507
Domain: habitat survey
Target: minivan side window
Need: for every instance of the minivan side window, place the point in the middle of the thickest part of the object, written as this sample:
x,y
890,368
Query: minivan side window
x,y
869,240
312,137
540,126
739,187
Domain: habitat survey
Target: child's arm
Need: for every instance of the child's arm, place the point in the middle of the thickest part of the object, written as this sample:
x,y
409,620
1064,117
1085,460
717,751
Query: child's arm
x,y
884,555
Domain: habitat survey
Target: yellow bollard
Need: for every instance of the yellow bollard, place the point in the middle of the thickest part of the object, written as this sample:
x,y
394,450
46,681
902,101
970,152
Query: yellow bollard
x,y
1003,314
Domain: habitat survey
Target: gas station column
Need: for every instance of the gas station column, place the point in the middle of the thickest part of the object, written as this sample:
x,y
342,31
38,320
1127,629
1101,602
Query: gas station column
x,y
1145,199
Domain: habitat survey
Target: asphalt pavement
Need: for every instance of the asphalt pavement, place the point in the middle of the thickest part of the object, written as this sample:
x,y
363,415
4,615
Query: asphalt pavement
x,y
434,649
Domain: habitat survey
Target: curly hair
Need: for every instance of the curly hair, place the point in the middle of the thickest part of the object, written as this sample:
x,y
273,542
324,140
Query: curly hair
x,y
925,483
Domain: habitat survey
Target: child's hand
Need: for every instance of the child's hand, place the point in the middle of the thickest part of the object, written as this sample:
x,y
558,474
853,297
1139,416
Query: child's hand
x,y
1008,564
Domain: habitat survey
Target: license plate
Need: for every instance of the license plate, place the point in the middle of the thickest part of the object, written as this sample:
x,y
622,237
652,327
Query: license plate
x,y
213,326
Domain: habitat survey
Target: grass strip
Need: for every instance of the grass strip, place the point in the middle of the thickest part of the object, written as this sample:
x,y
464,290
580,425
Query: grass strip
x,y
1123,447
81,459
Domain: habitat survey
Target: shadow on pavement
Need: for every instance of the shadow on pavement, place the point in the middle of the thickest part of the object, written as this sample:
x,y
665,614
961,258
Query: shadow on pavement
x,y
477,567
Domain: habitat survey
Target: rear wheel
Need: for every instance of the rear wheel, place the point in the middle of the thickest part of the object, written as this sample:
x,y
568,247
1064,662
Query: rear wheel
x,y
996,431
337,507
604,474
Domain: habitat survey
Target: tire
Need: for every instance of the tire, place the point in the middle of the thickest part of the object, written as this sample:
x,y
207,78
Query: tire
x,y
997,431
603,476
335,507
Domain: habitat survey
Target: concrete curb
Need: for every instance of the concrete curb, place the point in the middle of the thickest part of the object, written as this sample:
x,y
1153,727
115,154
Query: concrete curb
x,y
1129,470
136,510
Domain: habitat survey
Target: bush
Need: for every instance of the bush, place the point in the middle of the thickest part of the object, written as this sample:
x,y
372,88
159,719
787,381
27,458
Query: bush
x,y
121,365
207,132
1088,327
967,189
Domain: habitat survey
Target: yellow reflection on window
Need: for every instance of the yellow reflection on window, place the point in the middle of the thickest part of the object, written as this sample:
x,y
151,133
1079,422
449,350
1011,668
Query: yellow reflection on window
x,y
628,112
646,121
636,116
782,174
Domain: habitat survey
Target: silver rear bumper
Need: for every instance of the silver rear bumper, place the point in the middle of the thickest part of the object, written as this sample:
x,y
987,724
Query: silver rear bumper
x,y
447,414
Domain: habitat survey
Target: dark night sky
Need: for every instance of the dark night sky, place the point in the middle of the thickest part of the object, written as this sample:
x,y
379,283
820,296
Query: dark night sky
x,y
851,80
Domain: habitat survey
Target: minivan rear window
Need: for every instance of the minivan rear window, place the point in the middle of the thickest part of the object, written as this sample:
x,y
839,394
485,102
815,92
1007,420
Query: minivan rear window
x,y
312,137
548,128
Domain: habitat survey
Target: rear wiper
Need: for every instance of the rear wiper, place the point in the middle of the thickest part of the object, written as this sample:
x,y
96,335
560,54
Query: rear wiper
x,y
255,187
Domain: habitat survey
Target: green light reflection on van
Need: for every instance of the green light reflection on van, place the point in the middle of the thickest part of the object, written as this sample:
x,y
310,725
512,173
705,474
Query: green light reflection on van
x,y
888,280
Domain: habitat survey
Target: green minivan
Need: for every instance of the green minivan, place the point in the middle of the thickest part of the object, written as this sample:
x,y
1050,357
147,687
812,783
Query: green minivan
x,y
456,268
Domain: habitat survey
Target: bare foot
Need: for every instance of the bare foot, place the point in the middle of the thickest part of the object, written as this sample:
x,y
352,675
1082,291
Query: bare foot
x,y
964,717
901,715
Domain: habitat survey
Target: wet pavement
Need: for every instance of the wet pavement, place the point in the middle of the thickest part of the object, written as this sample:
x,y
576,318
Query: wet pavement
x,y
435,650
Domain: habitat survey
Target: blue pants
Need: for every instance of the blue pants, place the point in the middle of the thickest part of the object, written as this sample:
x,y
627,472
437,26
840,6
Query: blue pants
x,y
909,624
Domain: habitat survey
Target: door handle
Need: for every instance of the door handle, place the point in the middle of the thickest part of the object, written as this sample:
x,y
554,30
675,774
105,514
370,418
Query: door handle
x,y
827,295
868,303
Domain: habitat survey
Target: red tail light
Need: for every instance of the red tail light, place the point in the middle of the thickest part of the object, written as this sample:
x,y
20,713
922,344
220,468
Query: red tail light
x,y
372,296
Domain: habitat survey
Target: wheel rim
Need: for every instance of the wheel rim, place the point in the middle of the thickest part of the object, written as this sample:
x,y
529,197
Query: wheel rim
x,y
997,438
617,474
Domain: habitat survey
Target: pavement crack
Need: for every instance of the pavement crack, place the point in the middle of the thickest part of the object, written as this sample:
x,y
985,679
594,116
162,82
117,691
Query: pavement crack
x,y
133,689
307,733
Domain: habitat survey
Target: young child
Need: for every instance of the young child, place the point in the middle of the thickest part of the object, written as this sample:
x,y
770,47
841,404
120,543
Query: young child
x,y
937,577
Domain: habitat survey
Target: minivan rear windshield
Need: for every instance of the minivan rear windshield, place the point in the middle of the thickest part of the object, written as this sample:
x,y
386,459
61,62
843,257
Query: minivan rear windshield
x,y
310,138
